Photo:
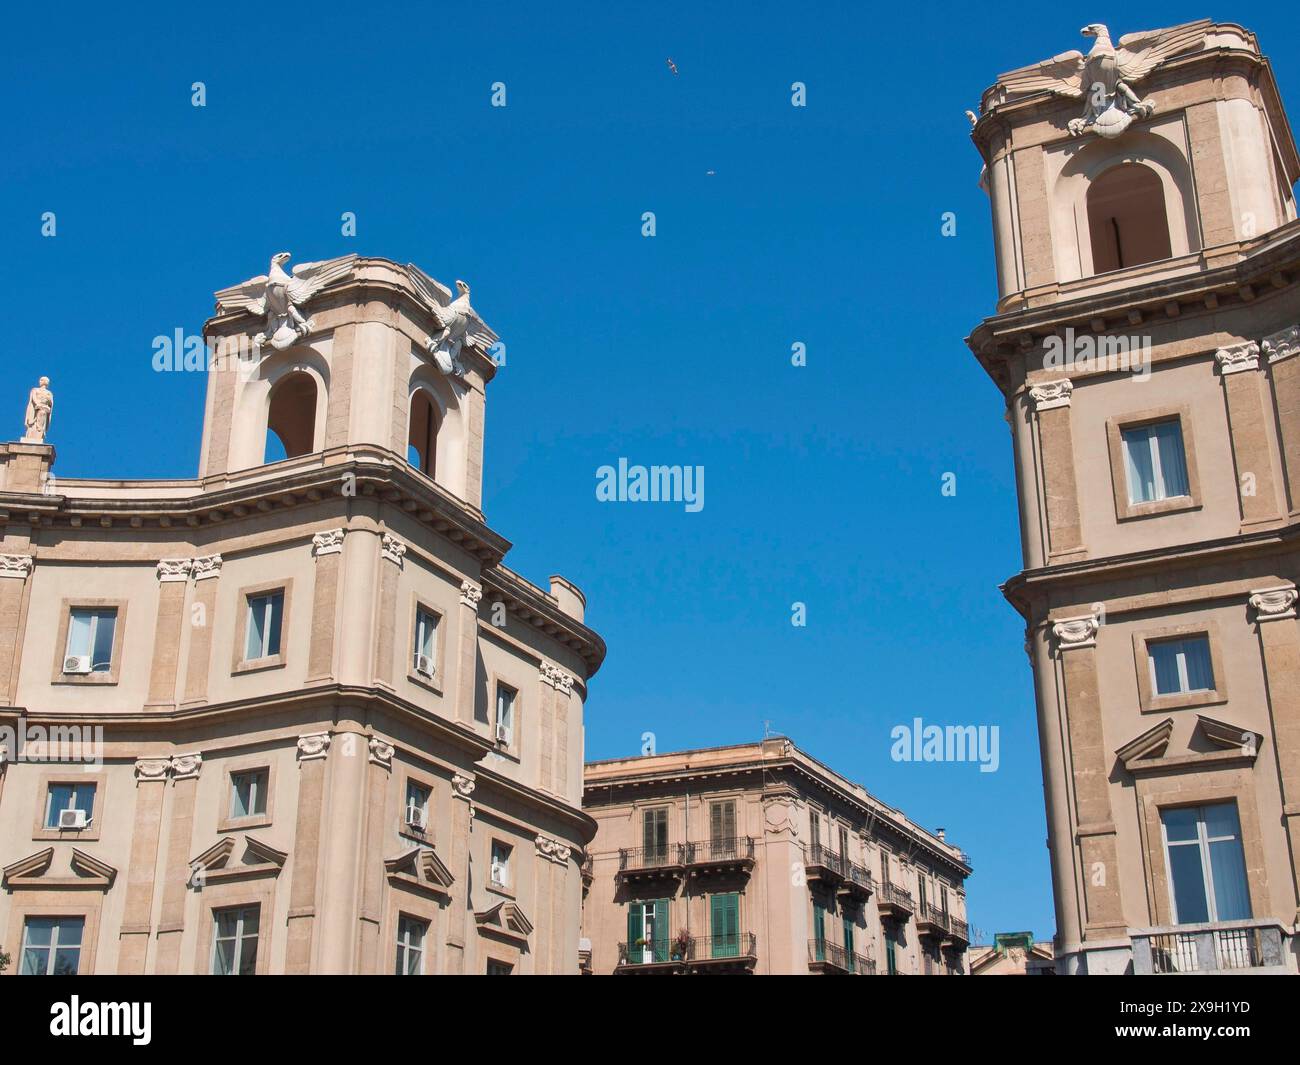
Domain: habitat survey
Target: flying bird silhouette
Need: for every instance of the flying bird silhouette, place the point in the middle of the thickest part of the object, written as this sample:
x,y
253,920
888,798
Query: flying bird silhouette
x,y
672,66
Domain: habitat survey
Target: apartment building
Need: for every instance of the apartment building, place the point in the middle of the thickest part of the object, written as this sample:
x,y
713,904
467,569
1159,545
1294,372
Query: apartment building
x,y
294,715
757,858
1145,343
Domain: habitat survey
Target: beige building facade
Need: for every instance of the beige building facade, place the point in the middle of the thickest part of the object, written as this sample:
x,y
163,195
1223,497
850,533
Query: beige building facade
x,y
1146,341
294,715
756,858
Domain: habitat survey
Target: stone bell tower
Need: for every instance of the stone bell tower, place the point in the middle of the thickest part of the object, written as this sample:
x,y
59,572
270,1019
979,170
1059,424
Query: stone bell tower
x,y
1145,343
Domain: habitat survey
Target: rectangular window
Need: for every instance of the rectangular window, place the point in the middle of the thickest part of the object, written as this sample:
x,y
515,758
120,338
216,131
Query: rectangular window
x,y
844,841
505,714
499,968
500,868
819,930
410,945
654,834
90,640
66,799
647,932
1207,867
722,828
417,806
1155,461
265,614
847,922
814,828
920,895
891,952
426,632
884,866
1179,666
248,792
234,941
724,924
52,946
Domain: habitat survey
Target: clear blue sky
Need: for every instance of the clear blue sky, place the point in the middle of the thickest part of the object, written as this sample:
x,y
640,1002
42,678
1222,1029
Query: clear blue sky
x,y
819,225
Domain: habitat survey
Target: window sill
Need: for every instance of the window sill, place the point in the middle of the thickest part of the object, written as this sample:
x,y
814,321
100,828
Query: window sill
x,y
1173,505
500,889
1158,704
89,834
258,665
239,824
431,683
415,835
86,678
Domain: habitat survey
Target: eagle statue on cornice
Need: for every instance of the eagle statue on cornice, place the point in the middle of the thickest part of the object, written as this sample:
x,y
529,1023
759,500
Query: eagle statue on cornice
x,y
459,325
1104,78
280,296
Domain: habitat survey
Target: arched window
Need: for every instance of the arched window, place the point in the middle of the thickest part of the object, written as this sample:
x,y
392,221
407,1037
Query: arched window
x,y
1126,218
422,442
291,419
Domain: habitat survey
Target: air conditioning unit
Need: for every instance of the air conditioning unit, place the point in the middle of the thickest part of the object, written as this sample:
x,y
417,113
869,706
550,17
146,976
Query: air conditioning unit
x,y
424,664
76,664
73,819
503,733
415,819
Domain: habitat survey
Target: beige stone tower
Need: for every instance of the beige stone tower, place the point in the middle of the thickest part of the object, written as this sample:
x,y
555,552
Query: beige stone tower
x,y
1146,342
295,715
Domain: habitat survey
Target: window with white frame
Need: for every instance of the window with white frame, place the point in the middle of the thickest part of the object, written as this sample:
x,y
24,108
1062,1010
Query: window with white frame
x,y
1155,461
505,714
52,946
265,616
426,635
417,805
234,940
64,800
500,865
1207,867
248,790
90,640
1181,666
411,932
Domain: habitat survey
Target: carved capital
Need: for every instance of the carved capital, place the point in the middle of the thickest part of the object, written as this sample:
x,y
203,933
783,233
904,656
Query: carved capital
x,y
462,786
393,549
381,752
16,566
557,678
204,568
152,768
174,570
1073,633
1051,395
1274,604
186,766
1238,357
1283,344
329,542
470,593
313,745
553,850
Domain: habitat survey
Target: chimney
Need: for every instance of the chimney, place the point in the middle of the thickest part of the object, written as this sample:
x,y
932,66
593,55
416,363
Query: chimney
x,y
939,832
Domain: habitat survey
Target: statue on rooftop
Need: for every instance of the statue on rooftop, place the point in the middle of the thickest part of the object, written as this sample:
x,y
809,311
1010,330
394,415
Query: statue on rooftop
x,y
280,296
40,410
459,325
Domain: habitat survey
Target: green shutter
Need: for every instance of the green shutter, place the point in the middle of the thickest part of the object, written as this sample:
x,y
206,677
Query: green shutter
x,y
724,923
635,927
660,930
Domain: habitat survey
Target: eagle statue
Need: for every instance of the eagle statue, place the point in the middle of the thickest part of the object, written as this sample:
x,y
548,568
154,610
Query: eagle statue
x,y
459,325
1105,77
280,296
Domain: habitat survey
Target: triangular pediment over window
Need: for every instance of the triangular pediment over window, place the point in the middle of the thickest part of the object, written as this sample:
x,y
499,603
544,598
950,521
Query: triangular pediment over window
x,y
255,859
86,870
420,868
1146,755
505,919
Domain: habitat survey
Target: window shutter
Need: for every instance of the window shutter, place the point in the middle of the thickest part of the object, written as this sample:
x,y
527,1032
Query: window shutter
x,y
635,924
661,930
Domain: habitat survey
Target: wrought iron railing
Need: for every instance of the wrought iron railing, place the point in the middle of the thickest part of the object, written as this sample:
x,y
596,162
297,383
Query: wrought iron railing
x,y
735,848
816,854
823,952
897,895
667,854
959,928
859,875
722,946
937,917
646,952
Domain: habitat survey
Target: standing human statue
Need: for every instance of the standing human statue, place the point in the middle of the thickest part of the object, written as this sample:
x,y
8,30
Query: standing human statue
x,y
40,409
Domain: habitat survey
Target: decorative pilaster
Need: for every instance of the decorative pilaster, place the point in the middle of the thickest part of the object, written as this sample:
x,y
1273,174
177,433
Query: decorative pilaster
x,y
185,769
205,572
1274,612
386,632
462,825
393,550
173,582
1248,429
1076,648
313,750
467,649
14,571
372,957
1051,405
146,827
555,728
1284,371
327,549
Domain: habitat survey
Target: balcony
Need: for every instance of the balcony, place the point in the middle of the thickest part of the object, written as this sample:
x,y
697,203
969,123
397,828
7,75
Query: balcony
x,y
834,960
734,855
932,922
958,937
895,902
666,862
656,957
1228,946
858,883
822,865
722,953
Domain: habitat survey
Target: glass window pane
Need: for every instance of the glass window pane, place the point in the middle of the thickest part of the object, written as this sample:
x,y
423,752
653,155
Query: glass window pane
x,y
79,633
1228,870
227,923
1221,820
101,655
223,960
65,961
1180,824
239,800
252,917
1137,461
256,628
1164,662
1173,460
36,961
248,956
1200,674
1189,885
273,625
39,930
70,931
60,799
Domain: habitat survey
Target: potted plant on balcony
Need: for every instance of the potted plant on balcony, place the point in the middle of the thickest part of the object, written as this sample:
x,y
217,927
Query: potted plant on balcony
x,y
681,945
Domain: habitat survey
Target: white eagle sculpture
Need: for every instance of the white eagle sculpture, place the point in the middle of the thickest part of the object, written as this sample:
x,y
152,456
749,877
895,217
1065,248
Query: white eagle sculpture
x,y
280,296
1105,77
459,324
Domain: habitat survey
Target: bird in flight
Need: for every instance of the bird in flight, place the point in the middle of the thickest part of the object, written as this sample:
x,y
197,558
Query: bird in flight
x,y
672,66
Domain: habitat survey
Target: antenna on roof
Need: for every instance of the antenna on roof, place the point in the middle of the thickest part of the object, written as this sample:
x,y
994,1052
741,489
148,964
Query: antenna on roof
x,y
767,729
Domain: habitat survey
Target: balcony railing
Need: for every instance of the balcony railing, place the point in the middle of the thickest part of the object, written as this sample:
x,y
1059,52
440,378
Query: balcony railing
x,y
726,947
932,921
958,929
823,863
896,899
668,856
827,956
712,951
1211,947
857,880
654,952
736,849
